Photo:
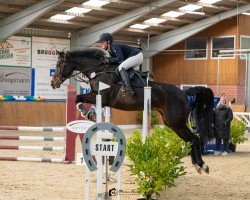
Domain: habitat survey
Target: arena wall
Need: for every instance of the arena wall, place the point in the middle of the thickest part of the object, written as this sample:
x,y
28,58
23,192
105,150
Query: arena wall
x,y
50,114
32,113
179,71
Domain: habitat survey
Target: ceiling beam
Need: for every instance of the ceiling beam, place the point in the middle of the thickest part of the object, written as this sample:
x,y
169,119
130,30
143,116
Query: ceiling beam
x,y
85,16
170,38
174,19
239,1
102,9
71,23
17,8
12,24
90,35
49,28
206,14
42,33
12,7
161,26
143,31
219,7
128,3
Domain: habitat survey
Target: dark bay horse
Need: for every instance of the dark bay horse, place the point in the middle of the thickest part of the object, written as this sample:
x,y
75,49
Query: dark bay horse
x,y
170,101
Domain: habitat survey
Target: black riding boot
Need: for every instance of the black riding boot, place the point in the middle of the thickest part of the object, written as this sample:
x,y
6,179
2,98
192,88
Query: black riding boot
x,y
127,87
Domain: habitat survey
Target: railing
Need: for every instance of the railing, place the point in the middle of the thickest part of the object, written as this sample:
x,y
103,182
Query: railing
x,y
243,115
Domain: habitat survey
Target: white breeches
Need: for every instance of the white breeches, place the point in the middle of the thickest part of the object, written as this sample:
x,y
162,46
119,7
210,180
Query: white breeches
x,y
133,61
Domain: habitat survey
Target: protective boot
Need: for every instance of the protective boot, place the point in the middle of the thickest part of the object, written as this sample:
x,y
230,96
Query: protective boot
x,y
127,87
82,109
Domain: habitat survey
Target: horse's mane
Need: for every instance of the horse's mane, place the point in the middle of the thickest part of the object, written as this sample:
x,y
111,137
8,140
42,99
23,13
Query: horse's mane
x,y
92,52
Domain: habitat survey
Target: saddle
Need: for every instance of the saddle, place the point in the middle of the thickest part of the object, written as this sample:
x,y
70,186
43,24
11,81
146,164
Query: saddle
x,y
138,79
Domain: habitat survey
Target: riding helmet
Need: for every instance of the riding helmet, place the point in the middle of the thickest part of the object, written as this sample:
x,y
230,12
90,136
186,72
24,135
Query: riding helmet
x,y
105,37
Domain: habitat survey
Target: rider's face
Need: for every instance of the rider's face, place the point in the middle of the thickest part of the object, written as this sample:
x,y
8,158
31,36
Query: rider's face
x,y
104,45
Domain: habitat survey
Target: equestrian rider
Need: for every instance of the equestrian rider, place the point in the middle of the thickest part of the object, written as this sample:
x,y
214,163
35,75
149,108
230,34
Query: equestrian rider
x,y
124,55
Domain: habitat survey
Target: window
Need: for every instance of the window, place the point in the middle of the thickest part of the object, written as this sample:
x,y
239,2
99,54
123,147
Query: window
x,y
244,44
187,86
196,48
222,43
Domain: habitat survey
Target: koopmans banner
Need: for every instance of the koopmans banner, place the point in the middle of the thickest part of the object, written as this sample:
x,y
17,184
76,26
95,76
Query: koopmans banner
x,y
16,51
44,59
15,81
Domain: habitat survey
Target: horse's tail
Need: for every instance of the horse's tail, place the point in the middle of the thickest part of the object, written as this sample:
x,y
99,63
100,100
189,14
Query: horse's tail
x,y
202,109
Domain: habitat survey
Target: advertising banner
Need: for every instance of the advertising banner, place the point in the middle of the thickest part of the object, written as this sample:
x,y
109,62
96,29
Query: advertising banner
x,y
15,81
44,50
84,88
42,88
44,59
16,51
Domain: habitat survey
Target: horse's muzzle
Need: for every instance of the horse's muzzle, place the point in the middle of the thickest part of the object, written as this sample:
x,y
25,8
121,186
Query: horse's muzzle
x,y
55,82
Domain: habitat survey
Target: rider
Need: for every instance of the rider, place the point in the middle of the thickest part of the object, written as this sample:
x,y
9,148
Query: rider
x,y
124,55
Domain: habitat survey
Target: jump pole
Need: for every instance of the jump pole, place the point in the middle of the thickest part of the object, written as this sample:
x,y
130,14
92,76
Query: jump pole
x,y
70,116
98,158
33,159
99,139
29,128
31,138
38,148
146,125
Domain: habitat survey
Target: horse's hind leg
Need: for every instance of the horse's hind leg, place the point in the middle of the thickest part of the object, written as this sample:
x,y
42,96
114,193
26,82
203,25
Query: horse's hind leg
x,y
184,133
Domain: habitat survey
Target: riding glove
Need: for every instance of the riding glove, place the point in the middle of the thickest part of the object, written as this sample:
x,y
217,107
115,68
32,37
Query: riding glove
x,y
105,60
117,72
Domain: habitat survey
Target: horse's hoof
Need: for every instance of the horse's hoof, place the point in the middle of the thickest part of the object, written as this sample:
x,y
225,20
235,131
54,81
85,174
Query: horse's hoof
x,y
205,168
198,168
83,116
92,116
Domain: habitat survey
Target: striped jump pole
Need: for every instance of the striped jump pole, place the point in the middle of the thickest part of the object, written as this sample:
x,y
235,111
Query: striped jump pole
x,y
29,128
31,138
33,159
38,148
33,148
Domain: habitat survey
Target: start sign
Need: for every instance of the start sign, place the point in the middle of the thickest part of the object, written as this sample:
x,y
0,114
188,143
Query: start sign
x,y
104,148
90,148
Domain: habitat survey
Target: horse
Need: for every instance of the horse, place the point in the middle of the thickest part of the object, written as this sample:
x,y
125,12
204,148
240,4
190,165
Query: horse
x,y
169,100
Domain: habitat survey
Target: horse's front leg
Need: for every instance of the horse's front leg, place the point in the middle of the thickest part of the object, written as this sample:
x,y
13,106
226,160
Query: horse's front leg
x,y
86,98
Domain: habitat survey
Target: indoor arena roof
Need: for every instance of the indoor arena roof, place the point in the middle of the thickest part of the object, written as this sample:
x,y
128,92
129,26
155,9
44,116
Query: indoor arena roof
x,y
161,20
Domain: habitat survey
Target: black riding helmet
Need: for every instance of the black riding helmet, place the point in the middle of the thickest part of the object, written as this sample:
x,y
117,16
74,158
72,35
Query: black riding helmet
x,y
105,37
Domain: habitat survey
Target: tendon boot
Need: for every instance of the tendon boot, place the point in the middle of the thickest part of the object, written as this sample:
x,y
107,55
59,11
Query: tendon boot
x,y
127,87
83,111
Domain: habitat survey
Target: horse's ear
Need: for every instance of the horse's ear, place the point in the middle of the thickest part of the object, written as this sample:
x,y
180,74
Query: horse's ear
x,y
60,53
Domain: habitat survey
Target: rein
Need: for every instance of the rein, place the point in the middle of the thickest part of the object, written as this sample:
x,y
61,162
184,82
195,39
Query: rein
x,y
62,79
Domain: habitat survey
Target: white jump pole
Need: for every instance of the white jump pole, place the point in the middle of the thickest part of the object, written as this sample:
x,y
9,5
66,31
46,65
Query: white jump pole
x,y
146,126
106,119
107,114
87,184
119,172
99,157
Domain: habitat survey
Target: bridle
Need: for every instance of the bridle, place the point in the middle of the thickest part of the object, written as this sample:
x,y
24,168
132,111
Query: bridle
x,y
61,79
